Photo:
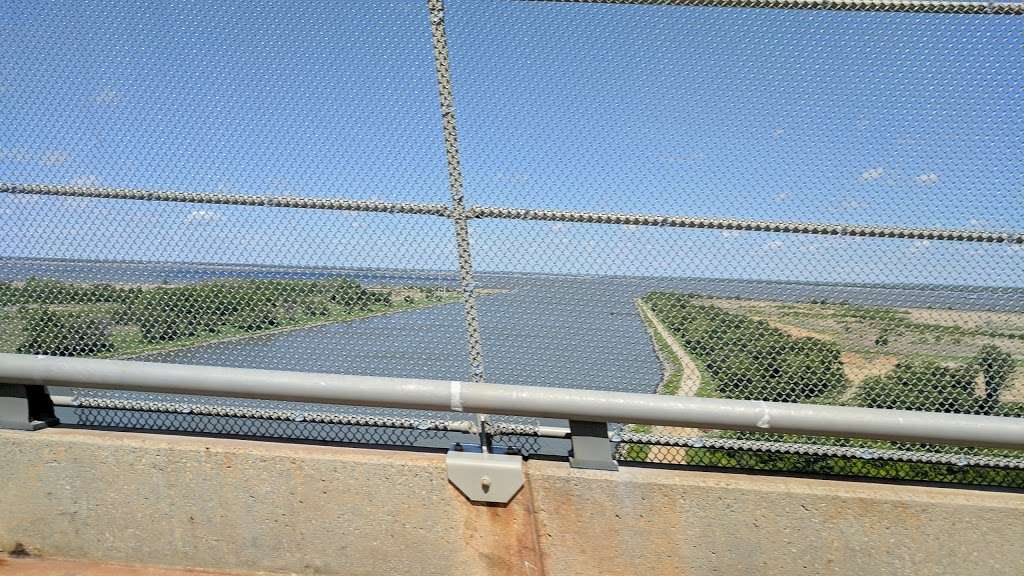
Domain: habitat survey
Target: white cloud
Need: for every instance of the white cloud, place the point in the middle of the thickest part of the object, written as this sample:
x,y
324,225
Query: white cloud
x,y
557,226
927,179
851,204
107,96
730,233
203,216
54,157
977,222
782,196
87,180
773,246
919,245
511,178
13,154
631,227
872,174
778,132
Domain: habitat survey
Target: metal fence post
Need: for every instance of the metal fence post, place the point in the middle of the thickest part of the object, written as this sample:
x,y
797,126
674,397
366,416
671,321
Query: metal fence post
x,y
25,407
458,208
590,446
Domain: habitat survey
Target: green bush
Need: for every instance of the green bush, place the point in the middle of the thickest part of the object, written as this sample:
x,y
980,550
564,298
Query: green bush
x,y
346,293
162,315
996,367
922,385
315,307
255,309
749,358
56,333
381,297
851,466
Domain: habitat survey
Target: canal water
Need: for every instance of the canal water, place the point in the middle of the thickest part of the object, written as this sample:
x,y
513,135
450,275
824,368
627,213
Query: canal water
x,y
540,330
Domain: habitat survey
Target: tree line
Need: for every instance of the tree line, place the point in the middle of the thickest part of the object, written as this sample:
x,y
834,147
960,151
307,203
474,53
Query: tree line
x,y
168,313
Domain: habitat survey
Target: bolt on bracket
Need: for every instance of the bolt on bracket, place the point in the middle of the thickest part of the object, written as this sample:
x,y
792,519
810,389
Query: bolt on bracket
x,y
495,476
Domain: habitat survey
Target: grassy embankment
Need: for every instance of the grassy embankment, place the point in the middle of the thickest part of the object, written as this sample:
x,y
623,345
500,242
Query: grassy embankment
x,y
124,336
865,334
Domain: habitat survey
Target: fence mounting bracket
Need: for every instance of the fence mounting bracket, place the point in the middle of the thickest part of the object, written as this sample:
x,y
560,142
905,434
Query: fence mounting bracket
x,y
25,407
495,476
590,446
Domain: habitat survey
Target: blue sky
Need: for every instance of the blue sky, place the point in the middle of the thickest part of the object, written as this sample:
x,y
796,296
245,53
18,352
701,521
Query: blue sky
x,y
890,119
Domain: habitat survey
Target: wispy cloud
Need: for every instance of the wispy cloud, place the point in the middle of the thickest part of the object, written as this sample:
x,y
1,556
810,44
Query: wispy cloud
x,y
851,204
872,174
558,227
920,245
88,180
200,216
511,178
927,179
54,157
777,133
730,233
47,158
107,96
14,155
773,246
782,196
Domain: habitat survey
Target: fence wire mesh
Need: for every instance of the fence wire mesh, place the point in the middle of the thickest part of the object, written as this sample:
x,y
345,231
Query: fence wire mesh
x,y
783,201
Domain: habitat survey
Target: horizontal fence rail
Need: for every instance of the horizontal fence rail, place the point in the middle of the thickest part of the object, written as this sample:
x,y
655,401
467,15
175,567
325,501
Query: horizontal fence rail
x,y
746,225
493,212
573,404
225,199
912,6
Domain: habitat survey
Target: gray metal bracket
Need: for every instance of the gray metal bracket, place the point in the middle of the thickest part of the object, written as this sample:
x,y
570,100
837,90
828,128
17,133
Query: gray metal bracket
x,y
495,476
25,407
590,446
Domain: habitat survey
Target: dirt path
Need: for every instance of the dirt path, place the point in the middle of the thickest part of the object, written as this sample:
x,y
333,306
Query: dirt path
x,y
690,381
688,386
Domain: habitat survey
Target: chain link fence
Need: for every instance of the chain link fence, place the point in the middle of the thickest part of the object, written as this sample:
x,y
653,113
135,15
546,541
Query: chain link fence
x,y
793,201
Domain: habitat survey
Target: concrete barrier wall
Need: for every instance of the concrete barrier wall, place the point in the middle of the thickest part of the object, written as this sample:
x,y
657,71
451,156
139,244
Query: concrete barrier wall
x,y
277,507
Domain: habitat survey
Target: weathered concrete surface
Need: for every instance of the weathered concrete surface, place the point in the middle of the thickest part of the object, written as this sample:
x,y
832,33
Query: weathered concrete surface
x,y
655,521
41,567
238,505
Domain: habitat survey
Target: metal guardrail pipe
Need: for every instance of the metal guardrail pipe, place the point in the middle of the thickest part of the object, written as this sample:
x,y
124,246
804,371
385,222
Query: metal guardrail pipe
x,y
573,404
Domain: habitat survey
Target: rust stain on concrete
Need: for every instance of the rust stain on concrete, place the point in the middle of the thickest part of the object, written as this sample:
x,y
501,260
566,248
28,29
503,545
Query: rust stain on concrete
x,y
503,536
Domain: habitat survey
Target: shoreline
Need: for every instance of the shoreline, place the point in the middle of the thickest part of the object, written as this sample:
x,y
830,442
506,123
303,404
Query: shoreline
x,y
278,330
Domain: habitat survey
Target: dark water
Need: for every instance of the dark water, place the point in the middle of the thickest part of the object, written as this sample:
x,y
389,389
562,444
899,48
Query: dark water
x,y
569,331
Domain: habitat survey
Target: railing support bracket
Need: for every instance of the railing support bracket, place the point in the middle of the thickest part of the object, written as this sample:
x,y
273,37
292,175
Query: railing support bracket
x,y
494,476
25,407
590,446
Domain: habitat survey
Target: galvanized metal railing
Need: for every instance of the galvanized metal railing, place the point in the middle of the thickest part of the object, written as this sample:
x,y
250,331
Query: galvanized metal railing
x,y
469,397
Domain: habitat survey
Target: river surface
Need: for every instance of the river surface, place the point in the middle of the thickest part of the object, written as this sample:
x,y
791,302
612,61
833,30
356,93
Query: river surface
x,y
542,330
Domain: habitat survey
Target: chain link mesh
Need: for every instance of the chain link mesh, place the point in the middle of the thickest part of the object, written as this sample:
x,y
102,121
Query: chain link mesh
x,y
794,201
